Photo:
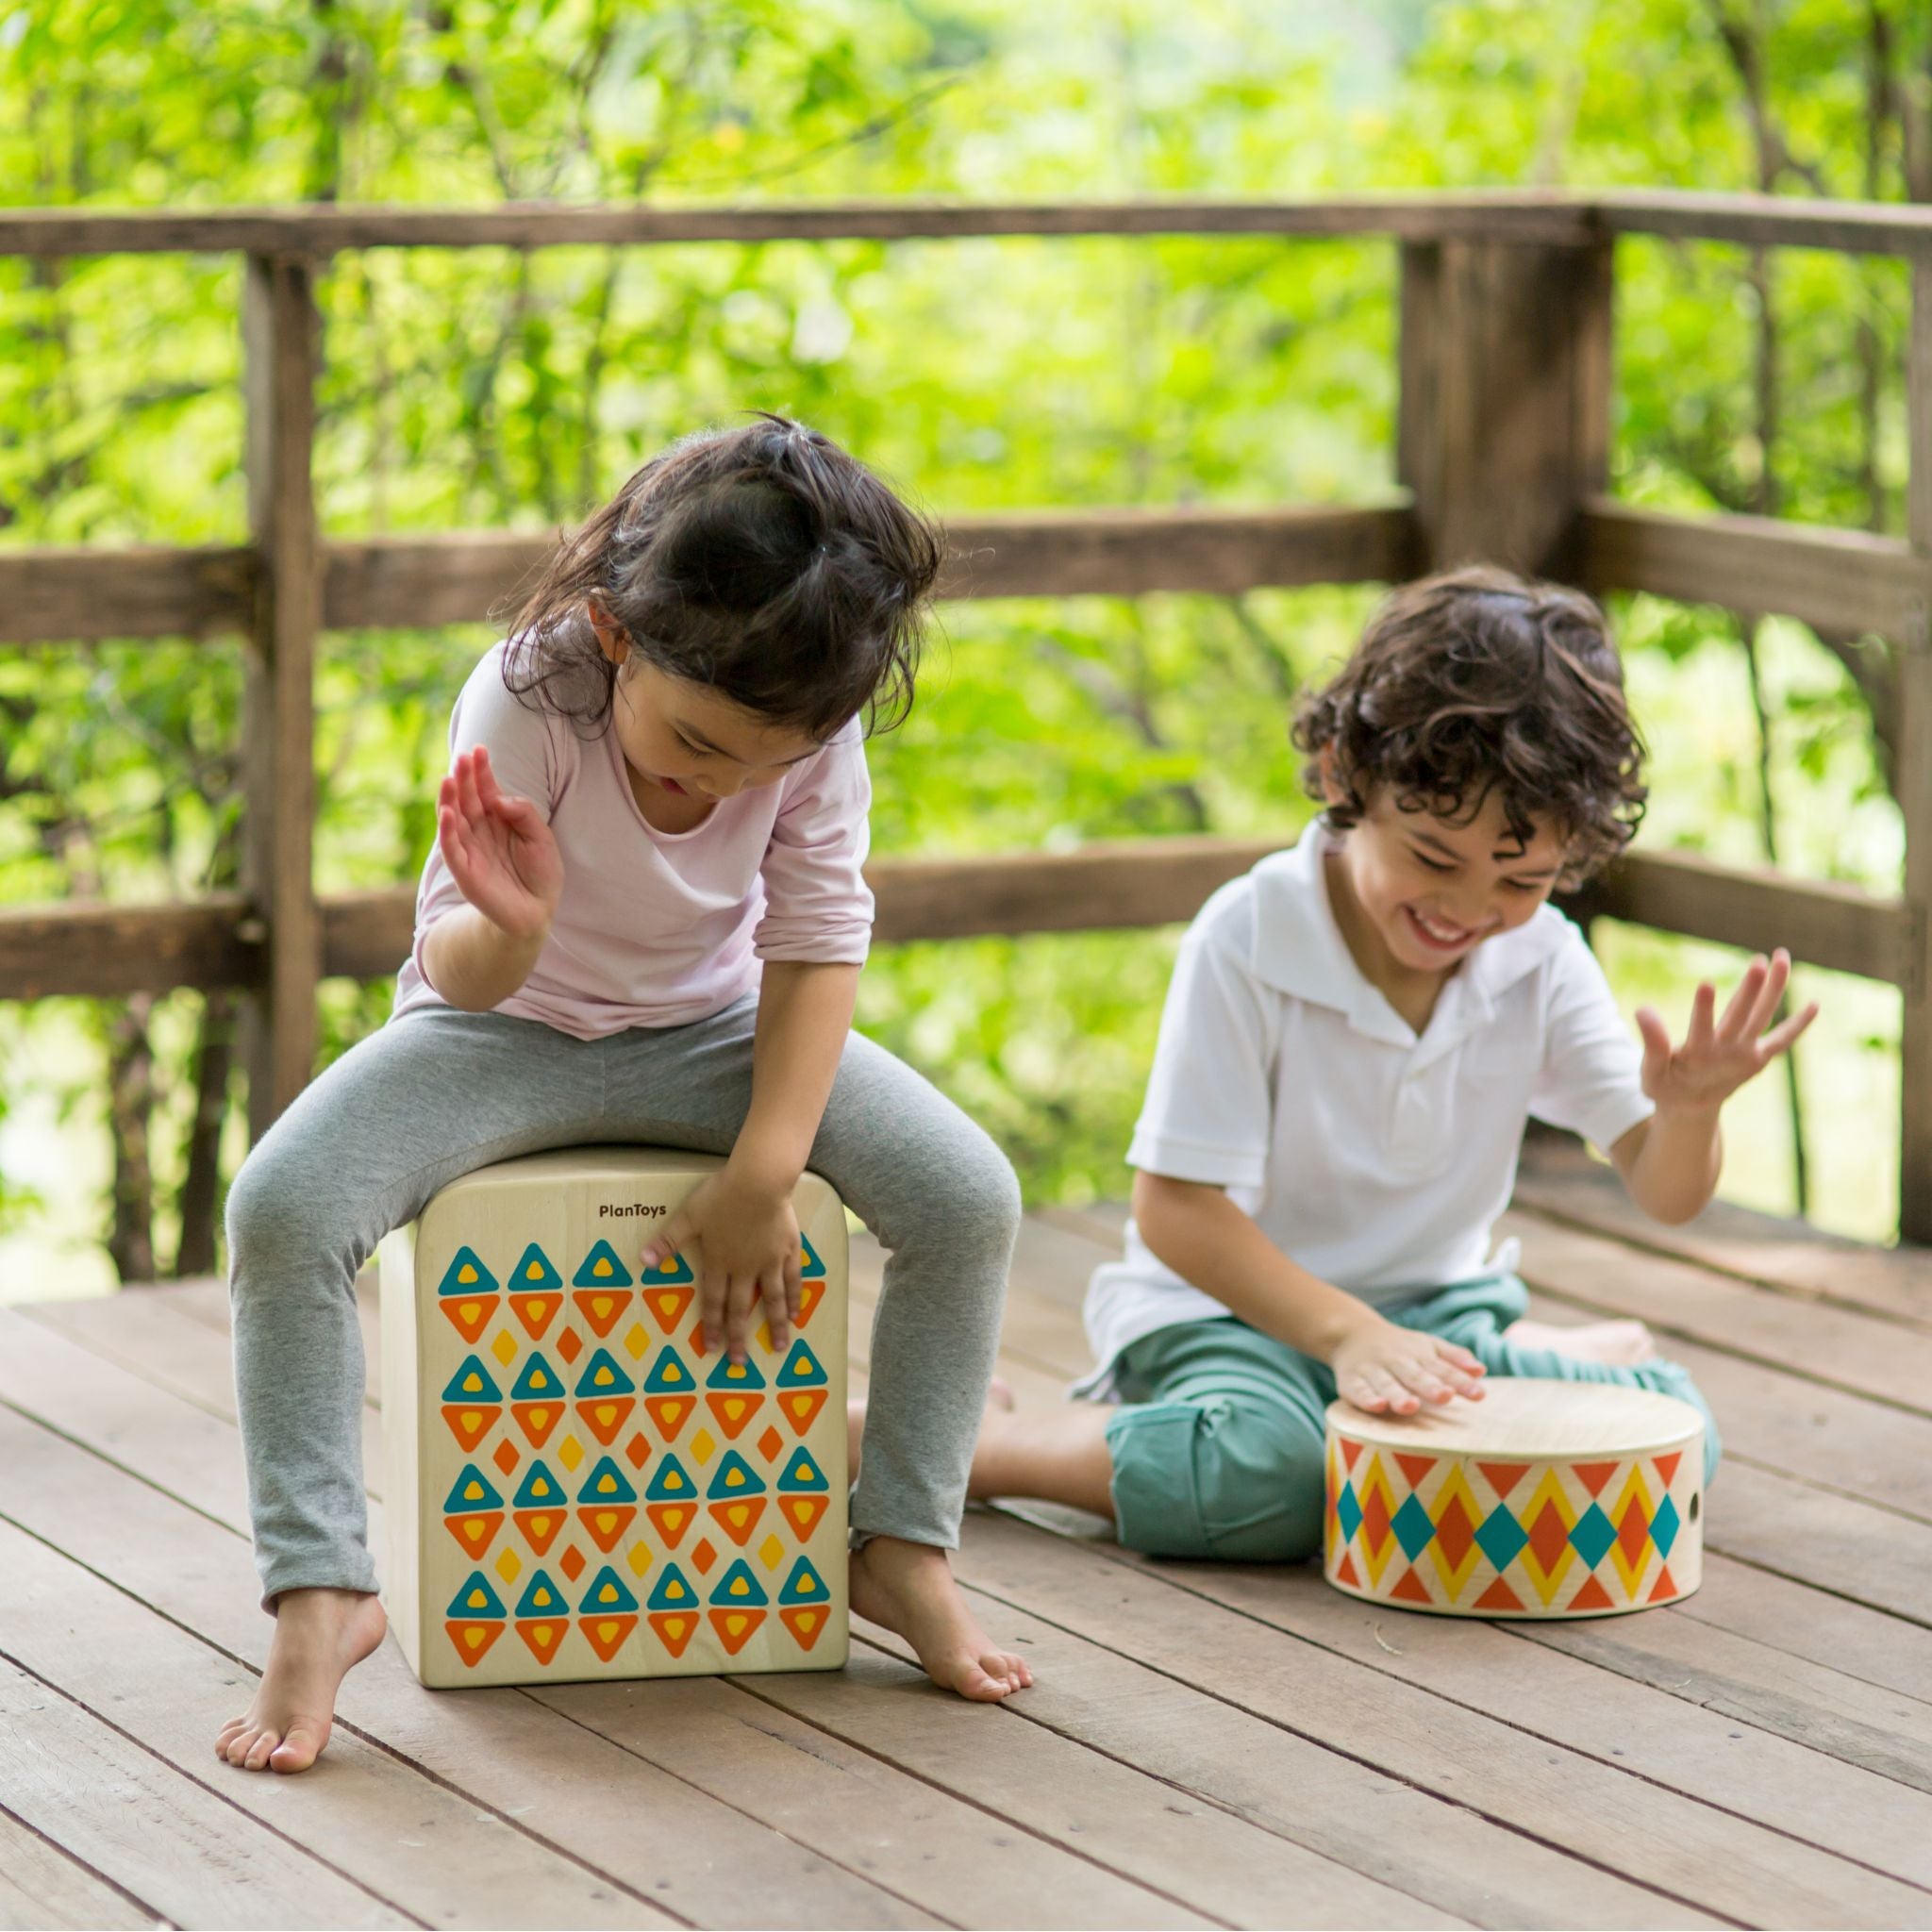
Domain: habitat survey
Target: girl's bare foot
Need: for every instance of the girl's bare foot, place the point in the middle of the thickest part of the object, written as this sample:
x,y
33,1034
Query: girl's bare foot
x,y
321,1636
1622,1344
910,1587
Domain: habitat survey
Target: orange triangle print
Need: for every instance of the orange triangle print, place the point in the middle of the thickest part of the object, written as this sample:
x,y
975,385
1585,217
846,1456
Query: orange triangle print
x,y
1499,1597
738,1519
675,1628
1411,1589
542,1638
1665,1587
1593,1476
470,1314
667,1306
605,1419
604,1527
1502,1477
810,1293
539,1527
1415,1468
473,1640
1350,1451
806,1626
800,1407
669,1412
600,1308
1346,1572
803,1513
1666,1467
736,1629
536,1312
1592,1597
733,1411
669,1520
475,1533
607,1634
537,1420
470,1425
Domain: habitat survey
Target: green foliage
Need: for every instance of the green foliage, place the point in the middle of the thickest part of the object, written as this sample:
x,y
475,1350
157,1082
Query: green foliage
x,y
487,388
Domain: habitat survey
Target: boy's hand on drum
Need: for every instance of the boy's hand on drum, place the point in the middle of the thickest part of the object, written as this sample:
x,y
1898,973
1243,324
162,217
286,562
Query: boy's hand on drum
x,y
1719,1055
747,1258
499,850
1383,1366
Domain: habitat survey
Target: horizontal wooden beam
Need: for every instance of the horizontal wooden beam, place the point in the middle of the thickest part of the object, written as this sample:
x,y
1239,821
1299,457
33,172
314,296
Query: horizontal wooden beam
x,y
73,595
1767,220
321,229
1843,581
1820,923
107,951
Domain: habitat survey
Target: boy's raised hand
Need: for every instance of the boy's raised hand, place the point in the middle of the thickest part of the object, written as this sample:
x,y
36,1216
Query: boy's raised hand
x,y
1382,1365
499,850
1719,1055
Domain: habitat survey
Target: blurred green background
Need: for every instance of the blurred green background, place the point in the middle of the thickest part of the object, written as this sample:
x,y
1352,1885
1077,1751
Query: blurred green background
x,y
485,388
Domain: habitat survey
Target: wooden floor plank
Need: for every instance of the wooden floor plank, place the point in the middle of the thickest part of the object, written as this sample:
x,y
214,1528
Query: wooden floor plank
x,y
1144,1827
42,1890
196,1859
408,1839
702,1860
976,1868
1692,1851
1433,1847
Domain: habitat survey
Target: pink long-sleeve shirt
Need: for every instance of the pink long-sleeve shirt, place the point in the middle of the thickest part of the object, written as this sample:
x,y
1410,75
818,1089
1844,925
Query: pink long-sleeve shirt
x,y
661,928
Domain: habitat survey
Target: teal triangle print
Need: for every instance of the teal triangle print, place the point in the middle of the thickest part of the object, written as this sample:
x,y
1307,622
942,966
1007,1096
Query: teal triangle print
x,y
466,1274
602,1376
674,1591
608,1595
669,1375
541,1598
731,1375
803,1472
738,1588
472,1383
538,1383
602,1268
534,1274
734,1476
809,1267
673,1271
606,1483
540,1489
802,1370
475,1602
804,1586
471,1491
672,1483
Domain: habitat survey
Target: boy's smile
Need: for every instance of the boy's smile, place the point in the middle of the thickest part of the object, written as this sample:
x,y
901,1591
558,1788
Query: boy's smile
x,y
1415,893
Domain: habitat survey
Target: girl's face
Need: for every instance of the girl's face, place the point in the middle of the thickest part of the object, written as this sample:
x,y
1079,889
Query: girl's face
x,y
1426,891
686,738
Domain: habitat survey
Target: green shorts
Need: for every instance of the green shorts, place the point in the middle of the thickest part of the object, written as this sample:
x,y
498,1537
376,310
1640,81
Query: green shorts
x,y
1217,1446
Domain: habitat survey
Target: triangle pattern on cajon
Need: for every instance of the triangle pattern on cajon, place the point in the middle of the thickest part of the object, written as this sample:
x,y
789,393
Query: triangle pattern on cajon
x,y
669,1392
473,1511
603,1288
736,1497
470,1402
607,1614
607,1504
542,1617
606,1396
539,1507
734,1394
466,1274
668,1291
474,1619
537,1400
467,1294
673,1610
739,1605
602,1268
670,1500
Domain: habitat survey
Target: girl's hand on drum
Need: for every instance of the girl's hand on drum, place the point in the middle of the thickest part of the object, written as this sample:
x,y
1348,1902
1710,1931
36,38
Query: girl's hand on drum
x,y
1383,1366
1717,1056
499,850
748,1254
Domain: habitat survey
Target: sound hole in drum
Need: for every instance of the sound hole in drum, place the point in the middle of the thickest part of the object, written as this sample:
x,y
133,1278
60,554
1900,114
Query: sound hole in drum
x,y
1694,1500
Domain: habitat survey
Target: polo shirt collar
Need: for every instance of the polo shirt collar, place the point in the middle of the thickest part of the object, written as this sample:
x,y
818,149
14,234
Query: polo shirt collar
x,y
1299,950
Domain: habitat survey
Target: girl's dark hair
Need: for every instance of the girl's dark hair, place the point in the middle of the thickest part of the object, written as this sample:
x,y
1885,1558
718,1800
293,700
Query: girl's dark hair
x,y
1479,682
762,561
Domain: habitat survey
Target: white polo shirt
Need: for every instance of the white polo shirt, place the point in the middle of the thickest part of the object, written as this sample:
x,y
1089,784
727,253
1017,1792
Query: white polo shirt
x,y
1378,1160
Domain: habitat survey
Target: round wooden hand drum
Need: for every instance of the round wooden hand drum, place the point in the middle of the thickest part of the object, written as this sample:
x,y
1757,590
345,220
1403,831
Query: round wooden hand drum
x,y
1544,1499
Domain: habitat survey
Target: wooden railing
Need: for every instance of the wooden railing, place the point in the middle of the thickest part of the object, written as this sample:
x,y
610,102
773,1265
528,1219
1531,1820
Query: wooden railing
x,y
1503,453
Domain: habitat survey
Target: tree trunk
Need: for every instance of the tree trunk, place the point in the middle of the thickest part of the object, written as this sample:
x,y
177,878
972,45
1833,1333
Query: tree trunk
x,y
130,1105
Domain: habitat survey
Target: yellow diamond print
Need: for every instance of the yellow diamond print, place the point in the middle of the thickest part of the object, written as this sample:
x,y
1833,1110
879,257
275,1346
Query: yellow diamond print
x,y
570,1451
703,1445
640,1559
507,1566
637,1341
504,1349
771,1552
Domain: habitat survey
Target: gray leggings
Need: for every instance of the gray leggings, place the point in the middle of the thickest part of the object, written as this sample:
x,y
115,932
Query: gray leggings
x,y
438,1093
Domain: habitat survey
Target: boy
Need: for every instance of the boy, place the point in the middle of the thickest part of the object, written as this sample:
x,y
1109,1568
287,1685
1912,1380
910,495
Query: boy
x,y
1356,1033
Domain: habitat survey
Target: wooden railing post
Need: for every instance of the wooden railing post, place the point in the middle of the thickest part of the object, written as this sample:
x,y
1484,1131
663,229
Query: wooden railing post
x,y
1503,424
281,344
1912,755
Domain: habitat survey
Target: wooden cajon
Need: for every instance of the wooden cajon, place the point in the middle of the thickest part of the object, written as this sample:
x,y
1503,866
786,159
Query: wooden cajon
x,y
575,1487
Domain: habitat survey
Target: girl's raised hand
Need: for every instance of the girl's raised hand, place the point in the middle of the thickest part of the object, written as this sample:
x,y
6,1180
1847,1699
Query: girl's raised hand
x,y
1383,1365
1717,1056
500,851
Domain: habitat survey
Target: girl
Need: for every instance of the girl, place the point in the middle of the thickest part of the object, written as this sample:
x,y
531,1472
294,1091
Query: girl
x,y
1356,1033
644,920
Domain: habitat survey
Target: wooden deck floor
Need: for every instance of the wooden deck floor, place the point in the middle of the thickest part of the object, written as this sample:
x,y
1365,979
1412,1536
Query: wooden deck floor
x,y
1205,1745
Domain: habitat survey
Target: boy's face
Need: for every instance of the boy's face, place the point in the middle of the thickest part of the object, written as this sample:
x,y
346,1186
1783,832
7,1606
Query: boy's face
x,y
1432,890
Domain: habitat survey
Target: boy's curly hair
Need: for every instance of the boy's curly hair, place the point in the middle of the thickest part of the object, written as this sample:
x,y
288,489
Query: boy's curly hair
x,y
1478,681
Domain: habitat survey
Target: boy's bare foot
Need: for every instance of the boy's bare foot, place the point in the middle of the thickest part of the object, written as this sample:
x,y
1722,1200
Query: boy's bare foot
x,y
910,1587
321,1636
1622,1344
